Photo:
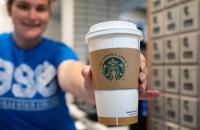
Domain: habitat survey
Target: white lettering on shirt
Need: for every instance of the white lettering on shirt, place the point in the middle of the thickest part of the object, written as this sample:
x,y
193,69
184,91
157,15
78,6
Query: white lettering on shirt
x,y
24,82
27,82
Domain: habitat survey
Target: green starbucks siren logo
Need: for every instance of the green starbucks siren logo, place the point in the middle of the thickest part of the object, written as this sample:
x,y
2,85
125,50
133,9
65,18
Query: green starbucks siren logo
x,y
113,67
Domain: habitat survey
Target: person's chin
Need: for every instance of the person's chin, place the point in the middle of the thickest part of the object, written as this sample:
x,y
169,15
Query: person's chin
x,y
32,35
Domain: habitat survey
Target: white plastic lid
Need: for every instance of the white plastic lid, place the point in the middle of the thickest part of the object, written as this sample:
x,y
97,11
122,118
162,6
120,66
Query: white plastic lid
x,y
113,27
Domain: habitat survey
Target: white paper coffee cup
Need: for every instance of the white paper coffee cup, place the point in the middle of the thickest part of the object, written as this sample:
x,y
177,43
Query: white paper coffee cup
x,y
114,55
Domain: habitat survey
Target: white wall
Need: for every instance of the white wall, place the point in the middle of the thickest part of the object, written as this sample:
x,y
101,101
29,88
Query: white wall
x,y
5,20
67,21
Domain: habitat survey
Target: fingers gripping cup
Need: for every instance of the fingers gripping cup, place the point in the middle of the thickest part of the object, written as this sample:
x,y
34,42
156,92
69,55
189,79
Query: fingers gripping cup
x,y
114,48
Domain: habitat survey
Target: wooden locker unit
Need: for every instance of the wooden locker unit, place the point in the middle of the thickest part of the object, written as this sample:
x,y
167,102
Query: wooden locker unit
x,y
184,17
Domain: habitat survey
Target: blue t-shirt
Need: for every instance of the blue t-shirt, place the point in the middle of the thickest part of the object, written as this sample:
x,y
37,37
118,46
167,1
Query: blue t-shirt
x,y
30,97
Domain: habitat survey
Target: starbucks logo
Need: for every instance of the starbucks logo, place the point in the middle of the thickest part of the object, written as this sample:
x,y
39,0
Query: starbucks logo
x,y
113,67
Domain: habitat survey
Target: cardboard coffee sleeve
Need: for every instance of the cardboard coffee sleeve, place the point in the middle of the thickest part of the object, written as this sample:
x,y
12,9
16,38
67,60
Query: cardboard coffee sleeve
x,y
115,68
